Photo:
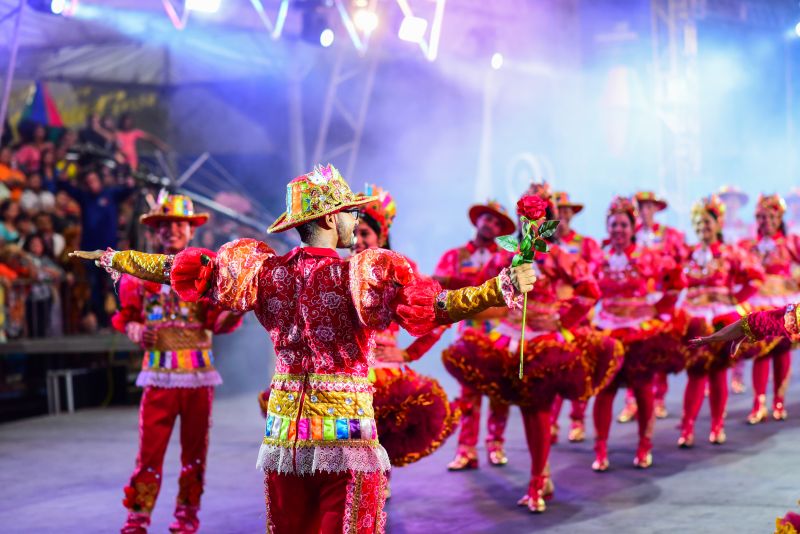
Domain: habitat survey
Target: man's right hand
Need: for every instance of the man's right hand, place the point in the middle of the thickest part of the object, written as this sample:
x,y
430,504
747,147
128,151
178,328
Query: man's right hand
x,y
149,337
523,277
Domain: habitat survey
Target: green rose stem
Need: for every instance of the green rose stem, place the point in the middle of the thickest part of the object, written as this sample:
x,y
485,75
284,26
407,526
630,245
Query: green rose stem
x,y
533,241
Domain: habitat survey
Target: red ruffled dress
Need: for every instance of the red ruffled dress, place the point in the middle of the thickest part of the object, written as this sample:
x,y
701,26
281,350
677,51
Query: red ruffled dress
x,y
719,278
560,358
412,412
649,330
779,256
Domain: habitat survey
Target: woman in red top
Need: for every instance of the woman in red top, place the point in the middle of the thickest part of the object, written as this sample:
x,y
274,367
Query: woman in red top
x,y
779,254
650,332
719,278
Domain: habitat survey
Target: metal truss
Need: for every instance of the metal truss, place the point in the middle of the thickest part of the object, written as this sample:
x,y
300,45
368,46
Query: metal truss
x,y
674,34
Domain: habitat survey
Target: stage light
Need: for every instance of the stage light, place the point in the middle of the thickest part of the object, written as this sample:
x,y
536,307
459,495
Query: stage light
x,y
365,20
57,6
54,7
203,6
412,29
497,60
326,37
797,29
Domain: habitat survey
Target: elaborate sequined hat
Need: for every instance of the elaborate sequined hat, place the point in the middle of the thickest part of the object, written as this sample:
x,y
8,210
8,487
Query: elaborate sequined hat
x,y
173,208
711,204
382,210
621,205
313,195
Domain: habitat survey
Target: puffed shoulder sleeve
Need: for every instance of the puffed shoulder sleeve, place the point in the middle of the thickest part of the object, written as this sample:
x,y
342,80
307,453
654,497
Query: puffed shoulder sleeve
x,y
777,322
385,288
230,277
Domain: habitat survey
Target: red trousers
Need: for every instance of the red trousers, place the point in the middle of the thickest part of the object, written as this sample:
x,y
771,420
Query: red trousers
x,y
471,419
695,392
537,434
781,365
604,406
325,503
576,414
157,413
661,386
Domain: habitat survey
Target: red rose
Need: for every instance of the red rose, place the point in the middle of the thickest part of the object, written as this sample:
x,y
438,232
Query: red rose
x,y
532,207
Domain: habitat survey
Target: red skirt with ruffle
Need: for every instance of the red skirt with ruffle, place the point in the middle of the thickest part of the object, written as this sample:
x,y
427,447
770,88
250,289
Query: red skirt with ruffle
x,y
412,414
576,369
656,347
701,361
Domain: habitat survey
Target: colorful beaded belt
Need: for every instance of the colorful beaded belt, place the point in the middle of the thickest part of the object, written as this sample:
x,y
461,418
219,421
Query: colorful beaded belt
x,y
320,428
177,360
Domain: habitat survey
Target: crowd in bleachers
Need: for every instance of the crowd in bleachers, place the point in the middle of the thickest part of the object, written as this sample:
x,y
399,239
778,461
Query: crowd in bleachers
x,y
61,190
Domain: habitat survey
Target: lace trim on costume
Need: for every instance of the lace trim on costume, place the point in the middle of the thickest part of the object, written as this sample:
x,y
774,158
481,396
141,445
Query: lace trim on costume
x,y
106,261
511,297
179,380
322,459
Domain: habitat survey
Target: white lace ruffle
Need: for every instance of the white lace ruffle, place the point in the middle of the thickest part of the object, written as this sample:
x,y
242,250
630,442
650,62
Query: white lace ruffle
x,y
328,459
179,380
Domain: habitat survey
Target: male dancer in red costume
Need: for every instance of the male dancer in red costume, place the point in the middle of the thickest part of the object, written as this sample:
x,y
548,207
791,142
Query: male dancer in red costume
x,y
461,267
324,467
664,240
178,372
589,251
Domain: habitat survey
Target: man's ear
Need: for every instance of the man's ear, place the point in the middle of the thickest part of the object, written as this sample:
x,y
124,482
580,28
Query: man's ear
x,y
328,222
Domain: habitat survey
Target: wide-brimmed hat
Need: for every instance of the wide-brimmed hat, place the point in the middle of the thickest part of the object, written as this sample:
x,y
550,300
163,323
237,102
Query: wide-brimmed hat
x,y
649,196
561,198
732,191
493,207
173,208
314,195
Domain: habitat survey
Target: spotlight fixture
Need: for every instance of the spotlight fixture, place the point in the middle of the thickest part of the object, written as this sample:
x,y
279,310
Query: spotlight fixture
x,y
412,29
365,20
203,6
497,60
54,7
326,37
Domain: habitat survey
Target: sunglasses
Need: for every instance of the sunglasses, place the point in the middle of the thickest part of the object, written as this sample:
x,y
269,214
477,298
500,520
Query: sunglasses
x,y
355,212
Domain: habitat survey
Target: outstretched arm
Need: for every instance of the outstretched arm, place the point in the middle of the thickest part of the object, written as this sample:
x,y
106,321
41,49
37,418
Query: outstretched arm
x,y
149,267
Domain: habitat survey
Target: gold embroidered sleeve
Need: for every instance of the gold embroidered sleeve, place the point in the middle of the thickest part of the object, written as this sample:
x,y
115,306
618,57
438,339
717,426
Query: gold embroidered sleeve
x,y
460,304
748,332
149,267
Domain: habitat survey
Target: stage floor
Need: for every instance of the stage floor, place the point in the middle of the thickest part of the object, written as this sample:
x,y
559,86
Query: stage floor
x,y
65,474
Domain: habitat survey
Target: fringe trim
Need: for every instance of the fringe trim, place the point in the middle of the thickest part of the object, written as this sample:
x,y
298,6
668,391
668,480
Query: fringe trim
x,y
322,459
